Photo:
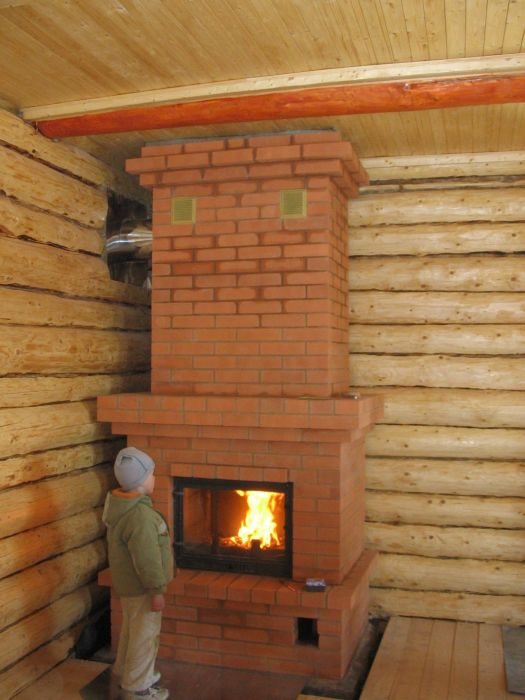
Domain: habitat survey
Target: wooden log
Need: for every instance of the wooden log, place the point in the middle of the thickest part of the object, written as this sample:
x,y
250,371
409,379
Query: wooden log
x,y
475,273
40,186
444,510
42,350
436,307
19,221
28,548
33,666
445,442
37,390
482,339
438,371
455,542
456,477
325,101
31,506
469,607
28,429
42,626
57,462
35,266
449,165
454,407
40,309
436,239
431,206
410,572
34,588
18,133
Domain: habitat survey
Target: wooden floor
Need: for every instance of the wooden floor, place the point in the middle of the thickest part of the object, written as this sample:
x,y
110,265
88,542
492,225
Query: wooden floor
x,y
418,659
65,682
421,659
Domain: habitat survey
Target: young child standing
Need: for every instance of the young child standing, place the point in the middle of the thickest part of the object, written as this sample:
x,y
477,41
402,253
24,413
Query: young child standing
x,y
141,564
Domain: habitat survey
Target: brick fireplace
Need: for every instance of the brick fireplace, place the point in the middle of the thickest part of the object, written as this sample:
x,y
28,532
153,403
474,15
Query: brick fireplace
x,y
249,393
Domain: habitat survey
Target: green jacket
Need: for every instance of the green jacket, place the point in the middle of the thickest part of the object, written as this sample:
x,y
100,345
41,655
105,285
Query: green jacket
x,y
139,547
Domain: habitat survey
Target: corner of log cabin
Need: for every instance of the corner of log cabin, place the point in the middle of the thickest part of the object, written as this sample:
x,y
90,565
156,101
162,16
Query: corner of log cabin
x,y
69,333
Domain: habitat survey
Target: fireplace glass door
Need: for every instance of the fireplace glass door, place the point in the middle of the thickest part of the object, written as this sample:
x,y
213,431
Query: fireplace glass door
x,y
240,526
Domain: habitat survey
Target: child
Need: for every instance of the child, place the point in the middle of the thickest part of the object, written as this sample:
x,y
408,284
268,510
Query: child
x,y
141,564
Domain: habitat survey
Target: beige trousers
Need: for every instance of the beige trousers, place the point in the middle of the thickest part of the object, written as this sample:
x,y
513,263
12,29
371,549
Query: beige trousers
x,y
138,643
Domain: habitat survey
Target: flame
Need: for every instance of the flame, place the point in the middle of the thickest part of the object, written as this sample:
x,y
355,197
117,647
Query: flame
x,y
259,523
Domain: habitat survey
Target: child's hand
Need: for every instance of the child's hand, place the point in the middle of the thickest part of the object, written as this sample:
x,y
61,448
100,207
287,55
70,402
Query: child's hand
x,y
157,602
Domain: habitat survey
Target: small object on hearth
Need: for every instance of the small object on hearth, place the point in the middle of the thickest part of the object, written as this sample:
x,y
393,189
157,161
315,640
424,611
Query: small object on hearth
x,y
354,395
315,584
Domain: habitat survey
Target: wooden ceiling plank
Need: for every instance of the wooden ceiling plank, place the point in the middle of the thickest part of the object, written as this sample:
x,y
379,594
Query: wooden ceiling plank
x,y
436,28
416,30
419,70
315,102
395,29
495,27
474,27
514,37
455,19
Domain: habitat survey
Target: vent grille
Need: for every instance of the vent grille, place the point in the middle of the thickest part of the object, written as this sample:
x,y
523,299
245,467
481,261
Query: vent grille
x,y
183,210
293,204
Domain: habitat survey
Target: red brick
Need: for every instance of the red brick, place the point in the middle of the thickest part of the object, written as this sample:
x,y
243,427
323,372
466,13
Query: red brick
x,y
327,150
274,170
149,180
187,160
273,140
260,252
237,213
233,172
237,187
216,254
144,165
333,167
192,190
277,153
235,156
181,177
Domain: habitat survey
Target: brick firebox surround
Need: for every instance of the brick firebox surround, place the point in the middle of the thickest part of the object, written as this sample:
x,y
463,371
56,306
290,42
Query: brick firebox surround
x,y
250,382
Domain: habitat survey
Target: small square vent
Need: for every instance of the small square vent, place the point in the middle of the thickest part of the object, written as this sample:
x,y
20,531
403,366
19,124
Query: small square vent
x,y
293,204
183,210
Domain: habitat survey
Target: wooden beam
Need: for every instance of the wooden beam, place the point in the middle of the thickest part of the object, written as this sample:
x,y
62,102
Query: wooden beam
x,y
314,102
504,65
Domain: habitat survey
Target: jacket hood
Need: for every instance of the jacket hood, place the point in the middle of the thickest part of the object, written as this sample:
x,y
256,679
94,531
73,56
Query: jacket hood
x,y
119,502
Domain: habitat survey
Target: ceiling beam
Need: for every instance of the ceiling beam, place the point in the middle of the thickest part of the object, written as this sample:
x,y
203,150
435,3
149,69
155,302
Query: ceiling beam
x,y
506,64
328,101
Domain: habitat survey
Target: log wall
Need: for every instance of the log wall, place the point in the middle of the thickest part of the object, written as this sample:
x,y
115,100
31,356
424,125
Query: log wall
x,y
437,300
68,333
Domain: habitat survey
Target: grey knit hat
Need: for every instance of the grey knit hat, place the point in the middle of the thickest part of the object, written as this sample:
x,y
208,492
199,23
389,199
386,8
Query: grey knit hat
x,y
132,467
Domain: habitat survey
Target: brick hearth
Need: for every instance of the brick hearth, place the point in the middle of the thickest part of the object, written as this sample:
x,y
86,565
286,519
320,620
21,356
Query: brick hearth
x,y
250,382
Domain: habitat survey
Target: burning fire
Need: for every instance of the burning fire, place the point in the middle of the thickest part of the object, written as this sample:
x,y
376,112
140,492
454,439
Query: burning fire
x,y
259,525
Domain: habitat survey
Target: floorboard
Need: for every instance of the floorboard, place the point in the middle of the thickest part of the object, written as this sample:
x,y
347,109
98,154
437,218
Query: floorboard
x,y
422,659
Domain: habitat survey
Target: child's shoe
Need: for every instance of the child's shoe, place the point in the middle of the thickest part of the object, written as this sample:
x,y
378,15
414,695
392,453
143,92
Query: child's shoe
x,y
153,693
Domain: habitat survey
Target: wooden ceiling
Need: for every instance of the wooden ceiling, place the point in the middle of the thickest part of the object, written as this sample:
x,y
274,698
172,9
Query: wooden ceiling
x,y
64,58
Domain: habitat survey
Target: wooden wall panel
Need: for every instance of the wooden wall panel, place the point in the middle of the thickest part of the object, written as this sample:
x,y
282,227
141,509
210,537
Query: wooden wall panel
x,y
437,317
69,333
